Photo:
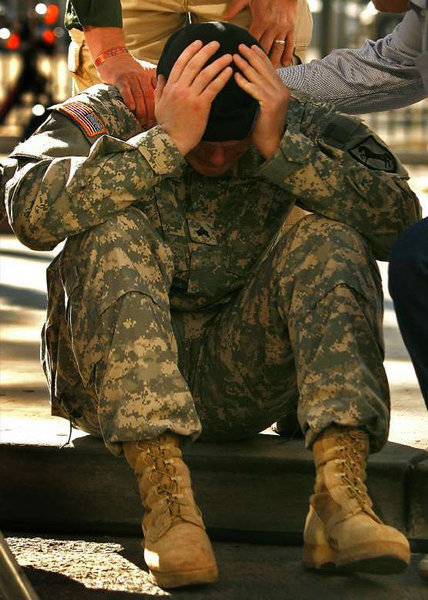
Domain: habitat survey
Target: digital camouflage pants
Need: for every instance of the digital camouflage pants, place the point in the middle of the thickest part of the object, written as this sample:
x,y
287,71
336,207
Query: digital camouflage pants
x,y
305,330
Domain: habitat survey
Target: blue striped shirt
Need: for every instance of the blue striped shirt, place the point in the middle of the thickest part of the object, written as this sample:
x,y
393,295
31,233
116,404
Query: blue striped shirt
x,y
388,73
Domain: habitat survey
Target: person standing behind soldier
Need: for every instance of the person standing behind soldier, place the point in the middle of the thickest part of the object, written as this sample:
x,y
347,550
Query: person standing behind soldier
x,y
388,73
113,35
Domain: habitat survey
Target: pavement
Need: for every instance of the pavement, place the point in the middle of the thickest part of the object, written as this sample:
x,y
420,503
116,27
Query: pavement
x,y
88,567
64,568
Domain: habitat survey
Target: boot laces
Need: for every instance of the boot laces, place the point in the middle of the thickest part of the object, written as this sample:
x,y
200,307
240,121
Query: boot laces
x,y
163,476
352,447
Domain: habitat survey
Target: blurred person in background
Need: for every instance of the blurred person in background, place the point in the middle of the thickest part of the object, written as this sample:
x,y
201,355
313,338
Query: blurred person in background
x,y
108,37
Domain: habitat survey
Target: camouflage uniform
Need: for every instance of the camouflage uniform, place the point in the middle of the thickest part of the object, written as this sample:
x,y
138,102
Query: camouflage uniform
x,y
181,300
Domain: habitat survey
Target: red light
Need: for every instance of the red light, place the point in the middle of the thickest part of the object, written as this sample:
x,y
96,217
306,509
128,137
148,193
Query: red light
x,y
52,14
48,37
13,42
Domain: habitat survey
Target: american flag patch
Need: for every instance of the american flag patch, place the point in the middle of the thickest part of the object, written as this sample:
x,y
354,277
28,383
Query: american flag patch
x,y
85,117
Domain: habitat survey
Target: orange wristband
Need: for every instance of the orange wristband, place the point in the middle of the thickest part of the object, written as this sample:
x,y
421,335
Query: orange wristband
x,y
108,54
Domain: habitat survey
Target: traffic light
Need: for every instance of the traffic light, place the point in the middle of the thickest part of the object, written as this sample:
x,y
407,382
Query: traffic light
x,y
13,42
50,19
51,15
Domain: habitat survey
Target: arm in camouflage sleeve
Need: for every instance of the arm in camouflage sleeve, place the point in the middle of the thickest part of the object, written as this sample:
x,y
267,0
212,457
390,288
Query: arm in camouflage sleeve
x,y
335,166
52,197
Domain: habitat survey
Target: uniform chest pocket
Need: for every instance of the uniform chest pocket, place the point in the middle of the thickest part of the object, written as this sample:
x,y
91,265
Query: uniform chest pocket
x,y
208,260
244,249
256,217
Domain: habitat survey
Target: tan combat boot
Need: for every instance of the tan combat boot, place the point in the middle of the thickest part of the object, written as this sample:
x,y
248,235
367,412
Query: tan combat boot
x,y
177,549
342,532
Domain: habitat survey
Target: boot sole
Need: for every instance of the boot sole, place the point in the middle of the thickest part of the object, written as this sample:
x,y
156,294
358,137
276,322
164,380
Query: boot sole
x,y
389,559
379,558
183,578
319,558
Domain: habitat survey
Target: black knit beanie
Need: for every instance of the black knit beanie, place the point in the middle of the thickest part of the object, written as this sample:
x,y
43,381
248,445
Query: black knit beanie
x,y
233,111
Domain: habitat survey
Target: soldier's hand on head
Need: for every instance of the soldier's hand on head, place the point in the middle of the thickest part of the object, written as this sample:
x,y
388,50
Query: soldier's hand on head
x,y
271,21
135,83
260,80
183,103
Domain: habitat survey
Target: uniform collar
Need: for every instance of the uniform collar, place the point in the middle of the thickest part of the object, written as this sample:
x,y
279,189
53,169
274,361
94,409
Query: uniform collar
x,y
244,169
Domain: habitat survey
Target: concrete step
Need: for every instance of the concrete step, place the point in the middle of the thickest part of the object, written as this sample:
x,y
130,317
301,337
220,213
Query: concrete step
x,y
256,490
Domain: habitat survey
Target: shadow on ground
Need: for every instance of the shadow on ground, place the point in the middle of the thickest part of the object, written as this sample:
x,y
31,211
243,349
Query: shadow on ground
x,y
250,572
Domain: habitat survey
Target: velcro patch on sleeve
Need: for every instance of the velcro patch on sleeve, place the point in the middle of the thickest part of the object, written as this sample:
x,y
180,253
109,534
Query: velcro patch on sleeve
x,y
85,117
374,155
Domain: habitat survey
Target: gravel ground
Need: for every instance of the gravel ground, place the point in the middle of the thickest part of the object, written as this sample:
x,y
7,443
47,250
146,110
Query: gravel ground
x,y
106,569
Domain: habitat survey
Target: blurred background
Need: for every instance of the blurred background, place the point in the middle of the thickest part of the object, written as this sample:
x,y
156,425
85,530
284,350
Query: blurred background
x,y
34,74
33,67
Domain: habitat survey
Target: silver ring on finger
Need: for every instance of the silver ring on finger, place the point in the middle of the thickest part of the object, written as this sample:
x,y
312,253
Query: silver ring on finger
x,y
279,42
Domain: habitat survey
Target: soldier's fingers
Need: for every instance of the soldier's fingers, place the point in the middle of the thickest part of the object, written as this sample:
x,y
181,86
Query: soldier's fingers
x,y
259,69
263,65
256,57
181,62
287,55
255,91
211,91
196,63
248,70
210,72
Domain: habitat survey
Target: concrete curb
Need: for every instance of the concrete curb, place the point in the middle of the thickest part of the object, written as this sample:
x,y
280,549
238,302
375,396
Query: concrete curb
x,y
256,490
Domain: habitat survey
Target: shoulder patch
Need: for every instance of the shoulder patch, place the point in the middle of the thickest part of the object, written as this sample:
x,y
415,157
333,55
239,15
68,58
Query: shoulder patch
x,y
85,117
339,129
374,155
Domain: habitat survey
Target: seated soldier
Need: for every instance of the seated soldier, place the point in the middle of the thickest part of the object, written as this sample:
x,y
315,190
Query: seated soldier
x,y
183,305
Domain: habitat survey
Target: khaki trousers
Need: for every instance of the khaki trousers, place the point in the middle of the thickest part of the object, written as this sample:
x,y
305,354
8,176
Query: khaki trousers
x,y
147,24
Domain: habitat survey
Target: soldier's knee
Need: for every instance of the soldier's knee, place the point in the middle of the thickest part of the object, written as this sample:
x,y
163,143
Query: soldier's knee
x,y
124,239
129,225
314,228
319,255
121,255
320,240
